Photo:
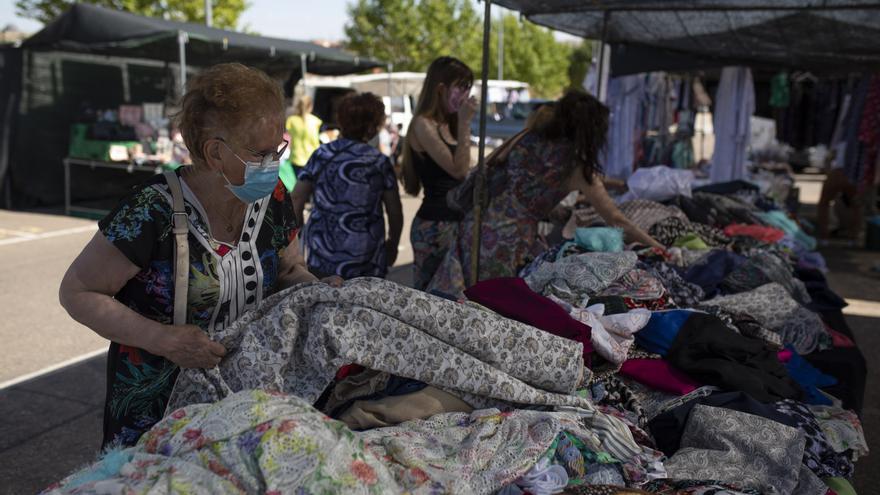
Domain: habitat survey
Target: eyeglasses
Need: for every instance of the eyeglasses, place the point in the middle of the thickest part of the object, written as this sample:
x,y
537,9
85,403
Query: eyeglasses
x,y
266,157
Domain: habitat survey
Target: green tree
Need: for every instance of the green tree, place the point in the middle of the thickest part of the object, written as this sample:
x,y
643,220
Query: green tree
x,y
225,14
531,54
579,63
412,33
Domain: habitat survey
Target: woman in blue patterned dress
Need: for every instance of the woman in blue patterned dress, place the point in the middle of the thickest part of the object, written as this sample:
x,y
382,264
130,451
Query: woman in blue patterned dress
x,y
351,182
241,224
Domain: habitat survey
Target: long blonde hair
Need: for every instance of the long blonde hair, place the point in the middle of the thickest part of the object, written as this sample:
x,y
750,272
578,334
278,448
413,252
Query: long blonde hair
x,y
449,72
303,106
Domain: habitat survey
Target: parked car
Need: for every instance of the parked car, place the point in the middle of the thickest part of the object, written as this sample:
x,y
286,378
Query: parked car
x,y
503,121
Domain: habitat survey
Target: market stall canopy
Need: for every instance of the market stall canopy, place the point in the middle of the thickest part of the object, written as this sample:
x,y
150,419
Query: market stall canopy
x,y
92,29
818,35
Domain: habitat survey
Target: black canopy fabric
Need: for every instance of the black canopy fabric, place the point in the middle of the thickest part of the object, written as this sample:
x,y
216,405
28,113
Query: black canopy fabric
x,y
92,29
819,35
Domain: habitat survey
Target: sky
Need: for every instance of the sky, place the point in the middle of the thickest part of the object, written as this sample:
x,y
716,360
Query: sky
x,y
293,19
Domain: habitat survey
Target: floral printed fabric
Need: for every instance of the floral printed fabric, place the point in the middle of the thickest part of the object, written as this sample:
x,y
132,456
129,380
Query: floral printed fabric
x,y
819,456
257,442
842,429
297,340
530,184
774,308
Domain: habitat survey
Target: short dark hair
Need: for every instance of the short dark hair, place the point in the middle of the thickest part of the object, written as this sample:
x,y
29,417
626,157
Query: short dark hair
x,y
360,115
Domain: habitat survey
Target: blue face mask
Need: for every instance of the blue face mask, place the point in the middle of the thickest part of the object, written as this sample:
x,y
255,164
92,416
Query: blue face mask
x,y
260,180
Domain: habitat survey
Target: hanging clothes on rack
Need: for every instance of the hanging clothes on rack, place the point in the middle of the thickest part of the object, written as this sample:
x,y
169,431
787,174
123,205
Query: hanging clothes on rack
x,y
869,134
735,104
625,95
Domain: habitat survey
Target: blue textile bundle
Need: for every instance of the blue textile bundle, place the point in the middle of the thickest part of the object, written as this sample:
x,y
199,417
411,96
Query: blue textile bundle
x,y
600,239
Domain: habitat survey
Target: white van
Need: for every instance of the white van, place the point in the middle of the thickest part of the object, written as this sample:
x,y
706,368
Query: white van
x,y
400,93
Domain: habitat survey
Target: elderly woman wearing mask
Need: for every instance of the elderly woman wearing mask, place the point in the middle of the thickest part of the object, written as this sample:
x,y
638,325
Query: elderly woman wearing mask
x,y
241,224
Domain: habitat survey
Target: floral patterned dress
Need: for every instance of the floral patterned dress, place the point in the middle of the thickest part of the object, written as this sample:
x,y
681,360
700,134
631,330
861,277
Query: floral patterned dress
x,y
523,192
224,282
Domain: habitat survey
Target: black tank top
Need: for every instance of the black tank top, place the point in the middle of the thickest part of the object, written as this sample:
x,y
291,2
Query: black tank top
x,y
437,182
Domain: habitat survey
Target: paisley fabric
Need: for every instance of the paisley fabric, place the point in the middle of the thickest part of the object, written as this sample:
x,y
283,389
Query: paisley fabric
x,y
636,284
684,294
296,340
642,212
774,308
576,277
730,446
697,487
257,442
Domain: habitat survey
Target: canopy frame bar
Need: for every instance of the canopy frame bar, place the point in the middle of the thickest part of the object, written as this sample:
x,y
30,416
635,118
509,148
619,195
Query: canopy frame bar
x,y
480,185
574,9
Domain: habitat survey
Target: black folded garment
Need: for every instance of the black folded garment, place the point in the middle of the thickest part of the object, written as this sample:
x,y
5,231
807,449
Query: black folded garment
x,y
730,187
713,354
821,295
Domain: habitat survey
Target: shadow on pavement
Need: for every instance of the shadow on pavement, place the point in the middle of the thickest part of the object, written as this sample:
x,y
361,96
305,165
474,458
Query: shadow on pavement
x,y
50,426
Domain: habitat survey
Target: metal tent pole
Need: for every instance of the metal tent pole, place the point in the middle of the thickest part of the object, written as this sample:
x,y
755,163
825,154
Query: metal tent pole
x,y
480,186
182,39
501,46
390,69
303,65
209,13
600,85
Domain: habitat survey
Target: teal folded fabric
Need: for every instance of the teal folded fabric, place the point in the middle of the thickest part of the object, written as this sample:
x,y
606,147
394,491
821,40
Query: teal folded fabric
x,y
600,239
778,219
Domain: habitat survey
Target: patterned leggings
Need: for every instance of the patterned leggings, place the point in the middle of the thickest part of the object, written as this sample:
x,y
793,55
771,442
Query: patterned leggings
x,y
431,241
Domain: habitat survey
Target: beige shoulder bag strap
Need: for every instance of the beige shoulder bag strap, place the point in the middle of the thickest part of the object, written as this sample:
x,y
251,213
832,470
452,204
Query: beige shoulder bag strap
x,y
180,227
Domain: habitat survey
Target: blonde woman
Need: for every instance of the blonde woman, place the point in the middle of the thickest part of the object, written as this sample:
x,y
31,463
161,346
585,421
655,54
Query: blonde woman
x,y
304,130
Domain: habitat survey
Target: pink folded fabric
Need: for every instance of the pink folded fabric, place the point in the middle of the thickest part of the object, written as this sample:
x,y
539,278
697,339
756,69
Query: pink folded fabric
x,y
784,355
838,339
660,375
767,234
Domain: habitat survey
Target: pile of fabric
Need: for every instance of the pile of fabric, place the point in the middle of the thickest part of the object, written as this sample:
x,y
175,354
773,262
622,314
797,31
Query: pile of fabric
x,y
599,370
